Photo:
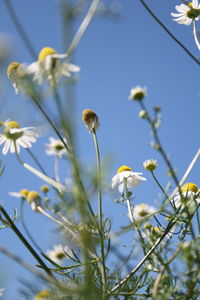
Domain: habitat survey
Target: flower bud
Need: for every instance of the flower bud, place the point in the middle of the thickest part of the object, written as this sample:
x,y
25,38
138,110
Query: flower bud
x,y
90,119
150,165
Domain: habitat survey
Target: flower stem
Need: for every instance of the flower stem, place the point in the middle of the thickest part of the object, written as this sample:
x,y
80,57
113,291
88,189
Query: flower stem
x,y
24,241
195,35
100,212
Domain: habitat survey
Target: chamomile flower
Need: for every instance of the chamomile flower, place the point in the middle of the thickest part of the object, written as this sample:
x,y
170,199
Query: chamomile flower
x,y
90,119
58,253
187,13
13,136
125,175
51,66
142,211
190,196
56,147
150,164
16,73
34,200
138,93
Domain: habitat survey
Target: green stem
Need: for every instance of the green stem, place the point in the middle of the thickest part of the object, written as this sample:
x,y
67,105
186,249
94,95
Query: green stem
x,y
24,241
100,212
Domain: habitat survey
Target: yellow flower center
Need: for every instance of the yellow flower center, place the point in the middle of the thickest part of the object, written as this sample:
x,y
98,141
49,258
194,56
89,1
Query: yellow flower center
x,y
190,187
45,52
13,124
59,146
90,119
42,294
150,165
190,4
32,196
12,67
123,168
60,255
24,193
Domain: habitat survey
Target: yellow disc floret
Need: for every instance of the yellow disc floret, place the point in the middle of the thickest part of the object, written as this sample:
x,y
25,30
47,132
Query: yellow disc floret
x,y
42,295
123,168
13,124
33,196
24,193
12,67
45,52
190,187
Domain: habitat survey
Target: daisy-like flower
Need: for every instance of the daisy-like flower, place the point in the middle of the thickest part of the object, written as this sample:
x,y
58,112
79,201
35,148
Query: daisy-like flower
x,y
187,13
58,253
13,135
150,165
42,295
51,67
16,73
138,93
90,119
125,175
142,211
34,200
190,195
21,194
56,147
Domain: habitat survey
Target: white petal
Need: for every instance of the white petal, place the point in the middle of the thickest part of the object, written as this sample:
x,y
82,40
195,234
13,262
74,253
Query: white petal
x,y
6,147
195,3
2,139
115,180
121,187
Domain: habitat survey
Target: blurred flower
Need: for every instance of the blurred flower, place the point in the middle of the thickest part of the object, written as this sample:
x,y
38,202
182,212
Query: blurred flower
x,y
138,93
50,66
150,164
187,13
42,295
58,253
142,211
190,194
126,175
142,114
1,291
16,73
14,135
56,147
90,119
22,194
34,200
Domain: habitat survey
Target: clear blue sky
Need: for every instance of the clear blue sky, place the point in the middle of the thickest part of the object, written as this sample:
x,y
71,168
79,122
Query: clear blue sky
x,y
114,56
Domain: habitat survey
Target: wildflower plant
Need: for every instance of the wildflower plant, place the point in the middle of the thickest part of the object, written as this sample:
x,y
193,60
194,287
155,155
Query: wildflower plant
x,y
88,262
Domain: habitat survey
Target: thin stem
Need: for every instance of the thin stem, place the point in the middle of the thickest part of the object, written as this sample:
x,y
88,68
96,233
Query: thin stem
x,y
20,29
159,185
169,32
36,161
100,212
24,241
195,35
86,21
25,227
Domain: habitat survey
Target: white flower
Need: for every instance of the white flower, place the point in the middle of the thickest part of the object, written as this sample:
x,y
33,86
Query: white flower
x,y
125,174
16,72
14,135
56,147
51,67
190,196
1,291
187,13
59,253
142,211
138,93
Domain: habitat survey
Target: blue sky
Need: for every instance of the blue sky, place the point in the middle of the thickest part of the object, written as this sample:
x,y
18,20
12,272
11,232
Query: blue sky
x,y
114,55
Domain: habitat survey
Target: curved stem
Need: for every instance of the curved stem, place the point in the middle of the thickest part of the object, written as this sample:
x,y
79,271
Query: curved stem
x,y
24,241
195,35
100,212
169,32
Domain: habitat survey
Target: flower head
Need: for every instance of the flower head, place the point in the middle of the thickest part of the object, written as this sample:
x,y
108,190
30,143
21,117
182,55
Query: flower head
x,y
138,93
150,165
90,119
142,211
190,194
13,136
50,66
42,295
187,13
58,253
56,147
125,175
16,72
34,200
